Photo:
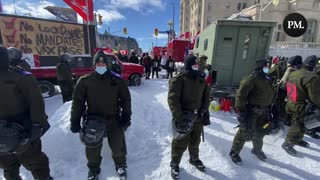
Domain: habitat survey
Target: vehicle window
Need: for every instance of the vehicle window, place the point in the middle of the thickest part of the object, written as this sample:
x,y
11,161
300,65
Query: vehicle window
x,y
205,44
246,46
78,62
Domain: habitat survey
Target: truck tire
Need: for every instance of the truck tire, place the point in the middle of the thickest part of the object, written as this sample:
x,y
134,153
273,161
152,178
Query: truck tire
x,y
135,80
47,88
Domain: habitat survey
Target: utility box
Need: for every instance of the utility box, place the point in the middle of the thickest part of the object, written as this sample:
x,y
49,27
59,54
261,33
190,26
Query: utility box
x,y
233,46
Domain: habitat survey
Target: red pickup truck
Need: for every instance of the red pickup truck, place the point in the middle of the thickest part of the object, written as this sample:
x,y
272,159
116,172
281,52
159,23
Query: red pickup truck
x,y
81,65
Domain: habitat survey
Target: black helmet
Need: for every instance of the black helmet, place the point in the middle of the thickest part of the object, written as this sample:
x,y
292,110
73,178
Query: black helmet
x,y
93,131
4,59
310,62
11,136
65,57
15,55
185,126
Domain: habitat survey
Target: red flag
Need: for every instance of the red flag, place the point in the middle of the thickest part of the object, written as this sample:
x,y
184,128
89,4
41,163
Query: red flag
x,y
80,6
187,35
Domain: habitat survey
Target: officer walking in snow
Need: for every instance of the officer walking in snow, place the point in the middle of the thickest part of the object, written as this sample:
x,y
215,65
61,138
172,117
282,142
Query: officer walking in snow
x,y
155,66
22,122
302,85
253,100
170,67
104,98
65,77
188,99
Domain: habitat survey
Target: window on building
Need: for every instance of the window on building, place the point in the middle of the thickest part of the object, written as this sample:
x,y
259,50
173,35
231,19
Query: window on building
x,y
278,36
205,45
316,4
239,6
209,6
209,19
197,42
244,5
279,27
310,34
246,44
228,5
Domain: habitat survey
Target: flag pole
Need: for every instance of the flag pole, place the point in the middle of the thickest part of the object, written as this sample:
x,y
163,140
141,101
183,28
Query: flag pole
x,y
88,23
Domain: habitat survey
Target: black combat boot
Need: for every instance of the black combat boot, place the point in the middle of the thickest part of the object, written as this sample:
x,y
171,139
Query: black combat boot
x,y
303,143
175,171
260,154
235,158
197,163
122,171
93,174
288,147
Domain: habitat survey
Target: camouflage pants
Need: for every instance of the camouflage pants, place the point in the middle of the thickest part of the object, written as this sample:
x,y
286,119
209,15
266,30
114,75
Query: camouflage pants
x,y
191,141
255,132
117,144
297,129
33,160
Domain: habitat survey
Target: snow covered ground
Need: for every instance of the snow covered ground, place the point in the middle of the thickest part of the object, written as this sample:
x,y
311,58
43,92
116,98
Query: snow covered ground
x,y
149,146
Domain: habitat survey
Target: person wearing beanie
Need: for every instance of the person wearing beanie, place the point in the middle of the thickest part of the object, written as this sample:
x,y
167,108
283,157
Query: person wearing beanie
x,y
278,69
65,77
21,106
106,96
253,100
155,66
302,85
188,94
147,65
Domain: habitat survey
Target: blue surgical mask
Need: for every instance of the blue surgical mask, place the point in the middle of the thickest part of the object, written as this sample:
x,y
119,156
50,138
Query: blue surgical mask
x,y
265,70
101,70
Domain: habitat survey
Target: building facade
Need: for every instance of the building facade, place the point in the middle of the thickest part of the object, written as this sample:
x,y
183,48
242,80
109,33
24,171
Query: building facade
x,y
195,15
310,9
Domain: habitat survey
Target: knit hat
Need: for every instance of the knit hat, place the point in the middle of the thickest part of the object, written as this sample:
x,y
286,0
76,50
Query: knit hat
x,y
100,56
4,59
261,63
295,60
189,61
311,61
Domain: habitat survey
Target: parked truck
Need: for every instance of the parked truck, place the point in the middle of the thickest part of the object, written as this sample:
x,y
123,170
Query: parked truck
x,y
42,41
232,47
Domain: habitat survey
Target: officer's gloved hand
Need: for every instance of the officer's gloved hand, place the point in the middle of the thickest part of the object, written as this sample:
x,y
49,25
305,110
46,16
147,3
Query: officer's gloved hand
x,y
205,117
75,127
125,121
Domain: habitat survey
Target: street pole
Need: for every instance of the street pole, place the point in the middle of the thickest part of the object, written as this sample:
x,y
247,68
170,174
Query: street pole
x,y
173,17
88,23
156,40
14,6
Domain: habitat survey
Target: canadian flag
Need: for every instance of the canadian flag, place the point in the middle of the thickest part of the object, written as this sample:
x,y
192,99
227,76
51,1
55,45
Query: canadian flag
x,y
83,7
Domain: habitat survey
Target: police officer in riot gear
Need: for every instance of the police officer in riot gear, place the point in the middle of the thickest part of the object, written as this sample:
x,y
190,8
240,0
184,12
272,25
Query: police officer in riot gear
x,y
104,96
253,106
302,86
188,100
23,122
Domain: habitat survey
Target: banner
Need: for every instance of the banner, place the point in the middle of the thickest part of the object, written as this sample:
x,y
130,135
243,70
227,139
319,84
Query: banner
x,y
80,6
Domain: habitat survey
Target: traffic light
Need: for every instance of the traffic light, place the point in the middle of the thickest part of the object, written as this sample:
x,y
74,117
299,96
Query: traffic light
x,y
125,32
100,19
156,32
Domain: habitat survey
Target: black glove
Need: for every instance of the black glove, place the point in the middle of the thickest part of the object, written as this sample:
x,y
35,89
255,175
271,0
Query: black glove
x,y
205,117
125,121
75,127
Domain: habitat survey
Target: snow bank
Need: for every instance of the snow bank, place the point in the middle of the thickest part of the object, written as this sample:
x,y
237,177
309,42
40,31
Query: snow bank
x,y
149,146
